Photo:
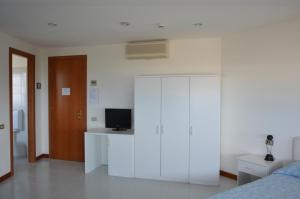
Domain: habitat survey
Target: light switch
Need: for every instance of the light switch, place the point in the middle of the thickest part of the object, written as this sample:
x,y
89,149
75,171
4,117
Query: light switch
x,y
38,85
93,83
94,119
2,126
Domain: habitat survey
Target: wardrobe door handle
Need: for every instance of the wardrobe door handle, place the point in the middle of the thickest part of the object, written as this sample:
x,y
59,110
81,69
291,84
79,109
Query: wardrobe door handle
x,y
161,129
157,129
191,130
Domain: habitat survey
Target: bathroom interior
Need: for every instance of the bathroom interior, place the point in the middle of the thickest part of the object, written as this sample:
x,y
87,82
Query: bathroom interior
x,y
20,130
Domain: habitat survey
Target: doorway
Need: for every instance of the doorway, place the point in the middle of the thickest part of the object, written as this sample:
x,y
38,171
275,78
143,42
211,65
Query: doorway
x,y
67,107
20,120
22,105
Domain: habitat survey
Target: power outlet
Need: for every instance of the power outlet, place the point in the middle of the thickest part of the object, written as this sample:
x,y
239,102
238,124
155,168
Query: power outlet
x,y
2,126
94,119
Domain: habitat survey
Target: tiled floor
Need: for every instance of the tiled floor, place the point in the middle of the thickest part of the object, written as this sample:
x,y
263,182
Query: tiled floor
x,y
52,179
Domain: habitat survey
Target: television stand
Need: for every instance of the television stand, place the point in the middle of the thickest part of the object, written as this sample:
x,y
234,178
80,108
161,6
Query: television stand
x,y
113,148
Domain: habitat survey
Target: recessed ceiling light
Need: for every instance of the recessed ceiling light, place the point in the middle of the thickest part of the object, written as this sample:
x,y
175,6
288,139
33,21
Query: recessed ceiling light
x,y
161,26
51,24
198,24
124,23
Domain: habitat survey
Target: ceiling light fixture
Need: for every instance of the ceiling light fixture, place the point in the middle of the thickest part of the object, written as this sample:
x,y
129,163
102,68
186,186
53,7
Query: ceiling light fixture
x,y
51,24
198,25
124,23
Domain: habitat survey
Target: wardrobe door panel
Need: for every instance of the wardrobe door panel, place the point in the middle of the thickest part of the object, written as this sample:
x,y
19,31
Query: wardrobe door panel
x,y
147,121
205,130
175,128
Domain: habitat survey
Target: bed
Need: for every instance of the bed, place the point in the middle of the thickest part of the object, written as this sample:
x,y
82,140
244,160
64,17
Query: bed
x,y
282,184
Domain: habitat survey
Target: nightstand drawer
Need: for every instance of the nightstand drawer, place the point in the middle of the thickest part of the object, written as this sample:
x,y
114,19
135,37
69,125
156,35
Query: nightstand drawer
x,y
253,169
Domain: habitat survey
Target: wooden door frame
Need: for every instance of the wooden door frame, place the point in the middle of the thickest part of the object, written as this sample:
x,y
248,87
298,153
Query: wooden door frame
x,y
50,101
30,101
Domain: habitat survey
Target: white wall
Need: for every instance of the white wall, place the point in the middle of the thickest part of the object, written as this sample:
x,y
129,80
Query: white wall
x,y
261,91
115,74
6,42
41,103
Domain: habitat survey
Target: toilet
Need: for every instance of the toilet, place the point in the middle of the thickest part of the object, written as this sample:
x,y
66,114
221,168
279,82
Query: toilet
x,y
18,121
19,133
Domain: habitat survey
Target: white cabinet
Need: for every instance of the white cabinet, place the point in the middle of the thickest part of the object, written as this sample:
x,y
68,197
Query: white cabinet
x,y
205,130
177,128
113,148
120,155
253,167
147,124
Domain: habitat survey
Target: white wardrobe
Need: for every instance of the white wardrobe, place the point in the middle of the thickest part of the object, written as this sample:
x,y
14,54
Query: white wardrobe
x,y
177,128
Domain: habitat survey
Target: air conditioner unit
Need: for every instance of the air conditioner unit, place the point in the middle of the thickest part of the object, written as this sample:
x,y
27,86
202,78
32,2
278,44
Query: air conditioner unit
x,y
150,49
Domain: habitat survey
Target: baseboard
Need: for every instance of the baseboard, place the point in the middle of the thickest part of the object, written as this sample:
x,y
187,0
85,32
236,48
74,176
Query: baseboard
x,y
42,156
8,175
228,175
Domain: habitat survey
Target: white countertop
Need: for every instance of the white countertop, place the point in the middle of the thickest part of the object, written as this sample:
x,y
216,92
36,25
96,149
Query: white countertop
x,y
106,131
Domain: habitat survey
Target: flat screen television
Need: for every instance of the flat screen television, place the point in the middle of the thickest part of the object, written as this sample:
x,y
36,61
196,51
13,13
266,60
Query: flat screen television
x,y
118,119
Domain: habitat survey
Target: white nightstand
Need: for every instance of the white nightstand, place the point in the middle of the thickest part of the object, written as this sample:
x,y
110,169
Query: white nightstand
x,y
253,167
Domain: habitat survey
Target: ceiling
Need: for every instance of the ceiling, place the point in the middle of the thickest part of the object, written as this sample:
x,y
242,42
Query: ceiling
x,y
90,22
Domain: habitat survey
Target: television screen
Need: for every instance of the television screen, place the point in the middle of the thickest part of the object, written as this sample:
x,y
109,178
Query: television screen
x,y
118,119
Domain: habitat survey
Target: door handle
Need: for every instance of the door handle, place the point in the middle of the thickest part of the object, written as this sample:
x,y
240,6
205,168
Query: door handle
x,y
191,130
161,129
79,115
157,129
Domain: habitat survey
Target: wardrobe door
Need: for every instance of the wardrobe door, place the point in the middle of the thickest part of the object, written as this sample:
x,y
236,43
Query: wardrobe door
x,y
175,128
205,130
147,123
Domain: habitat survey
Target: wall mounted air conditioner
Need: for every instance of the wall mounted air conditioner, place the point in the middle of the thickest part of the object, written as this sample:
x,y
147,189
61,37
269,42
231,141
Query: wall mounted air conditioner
x,y
151,49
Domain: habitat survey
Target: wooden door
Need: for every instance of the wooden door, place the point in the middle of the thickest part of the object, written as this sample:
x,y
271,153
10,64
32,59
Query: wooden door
x,y
147,122
175,128
67,107
205,130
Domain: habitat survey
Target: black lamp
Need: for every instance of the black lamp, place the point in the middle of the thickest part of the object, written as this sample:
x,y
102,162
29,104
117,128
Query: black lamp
x,y
269,145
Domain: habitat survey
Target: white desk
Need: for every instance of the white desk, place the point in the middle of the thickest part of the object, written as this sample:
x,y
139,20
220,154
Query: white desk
x,y
120,151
